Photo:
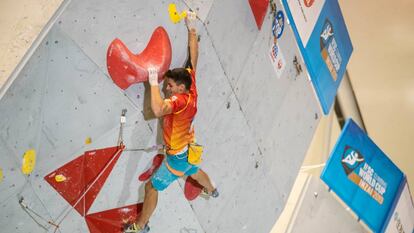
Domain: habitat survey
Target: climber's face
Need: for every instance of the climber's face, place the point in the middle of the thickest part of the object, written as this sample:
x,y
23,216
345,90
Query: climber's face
x,y
174,88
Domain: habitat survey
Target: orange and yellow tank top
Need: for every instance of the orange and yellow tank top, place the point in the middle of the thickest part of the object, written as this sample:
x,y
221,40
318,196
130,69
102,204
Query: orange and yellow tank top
x,y
177,127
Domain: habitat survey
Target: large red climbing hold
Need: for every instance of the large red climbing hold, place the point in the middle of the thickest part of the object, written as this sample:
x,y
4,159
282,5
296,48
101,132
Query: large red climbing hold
x,y
127,68
113,221
81,173
259,8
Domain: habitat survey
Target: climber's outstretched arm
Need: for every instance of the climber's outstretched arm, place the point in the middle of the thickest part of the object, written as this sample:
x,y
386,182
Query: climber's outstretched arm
x,y
190,21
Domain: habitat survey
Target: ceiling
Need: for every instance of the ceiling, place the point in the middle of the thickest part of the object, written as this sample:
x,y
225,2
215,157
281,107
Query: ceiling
x,y
382,33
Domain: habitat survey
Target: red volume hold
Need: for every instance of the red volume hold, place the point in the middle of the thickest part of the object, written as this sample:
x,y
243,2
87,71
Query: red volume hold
x,y
126,68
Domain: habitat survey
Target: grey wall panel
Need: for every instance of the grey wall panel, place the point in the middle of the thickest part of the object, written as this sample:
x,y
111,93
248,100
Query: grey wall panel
x,y
279,110
212,85
74,101
73,223
292,135
320,212
79,103
20,109
94,24
13,179
232,30
230,152
202,7
254,203
14,218
174,213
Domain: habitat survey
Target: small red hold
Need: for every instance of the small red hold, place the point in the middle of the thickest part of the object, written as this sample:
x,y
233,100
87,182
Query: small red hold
x,y
192,189
156,163
126,68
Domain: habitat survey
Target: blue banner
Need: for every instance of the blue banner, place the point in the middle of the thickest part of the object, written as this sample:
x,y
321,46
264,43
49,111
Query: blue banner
x,y
363,176
324,42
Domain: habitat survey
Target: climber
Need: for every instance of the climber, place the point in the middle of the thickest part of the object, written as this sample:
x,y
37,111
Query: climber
x,y
178,111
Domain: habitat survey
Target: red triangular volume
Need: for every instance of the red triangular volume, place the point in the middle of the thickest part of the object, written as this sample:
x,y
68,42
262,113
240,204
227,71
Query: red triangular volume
x,y
80,173
259,8
74,184
114,220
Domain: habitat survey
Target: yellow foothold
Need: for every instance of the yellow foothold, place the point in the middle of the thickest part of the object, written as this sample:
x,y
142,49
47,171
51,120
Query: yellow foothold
x,y
88,140
29,161
1,175
60,178
175,16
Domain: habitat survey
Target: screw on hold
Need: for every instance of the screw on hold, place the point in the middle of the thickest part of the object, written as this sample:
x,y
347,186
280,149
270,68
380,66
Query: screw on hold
x,y
273,6
297,65
124,111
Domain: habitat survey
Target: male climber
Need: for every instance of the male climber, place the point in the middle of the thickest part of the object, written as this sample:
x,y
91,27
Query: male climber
x,y
178,111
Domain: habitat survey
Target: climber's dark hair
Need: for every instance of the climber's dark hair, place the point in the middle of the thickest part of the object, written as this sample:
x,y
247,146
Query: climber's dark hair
x,y
180,76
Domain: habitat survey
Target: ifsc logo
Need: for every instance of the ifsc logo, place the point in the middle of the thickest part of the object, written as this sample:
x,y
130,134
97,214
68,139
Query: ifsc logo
x,y
351,159
327,33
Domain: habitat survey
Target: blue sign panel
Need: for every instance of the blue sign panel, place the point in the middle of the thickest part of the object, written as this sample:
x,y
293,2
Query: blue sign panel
x,y
363,176
324,41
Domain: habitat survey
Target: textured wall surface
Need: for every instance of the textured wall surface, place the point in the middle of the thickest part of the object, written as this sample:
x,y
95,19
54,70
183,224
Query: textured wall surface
x,y
256,127
322,212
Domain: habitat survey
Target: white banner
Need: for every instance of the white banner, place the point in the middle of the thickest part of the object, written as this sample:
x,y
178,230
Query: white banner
x,y
305,13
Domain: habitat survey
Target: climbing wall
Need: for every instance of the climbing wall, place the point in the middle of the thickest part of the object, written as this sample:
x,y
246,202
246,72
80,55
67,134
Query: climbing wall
x,y
255,124
319,206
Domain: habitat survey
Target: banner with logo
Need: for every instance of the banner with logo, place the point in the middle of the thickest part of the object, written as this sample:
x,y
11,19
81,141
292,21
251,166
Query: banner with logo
x,y
401,219
324,42
363,176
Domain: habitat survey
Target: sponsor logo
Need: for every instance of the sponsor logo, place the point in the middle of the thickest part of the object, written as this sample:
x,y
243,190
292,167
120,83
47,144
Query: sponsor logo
x,y
277,59
308,3
275,51
351,159
278,24
362,174
329,50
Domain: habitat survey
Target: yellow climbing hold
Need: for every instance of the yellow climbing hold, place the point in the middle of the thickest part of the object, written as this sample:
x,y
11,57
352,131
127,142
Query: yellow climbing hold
x,y
29,161
1,175
88,140
175,16
60,178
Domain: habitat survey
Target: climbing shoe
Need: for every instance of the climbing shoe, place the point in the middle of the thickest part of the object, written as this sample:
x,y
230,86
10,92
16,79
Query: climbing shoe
x,y
134,228
213,194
